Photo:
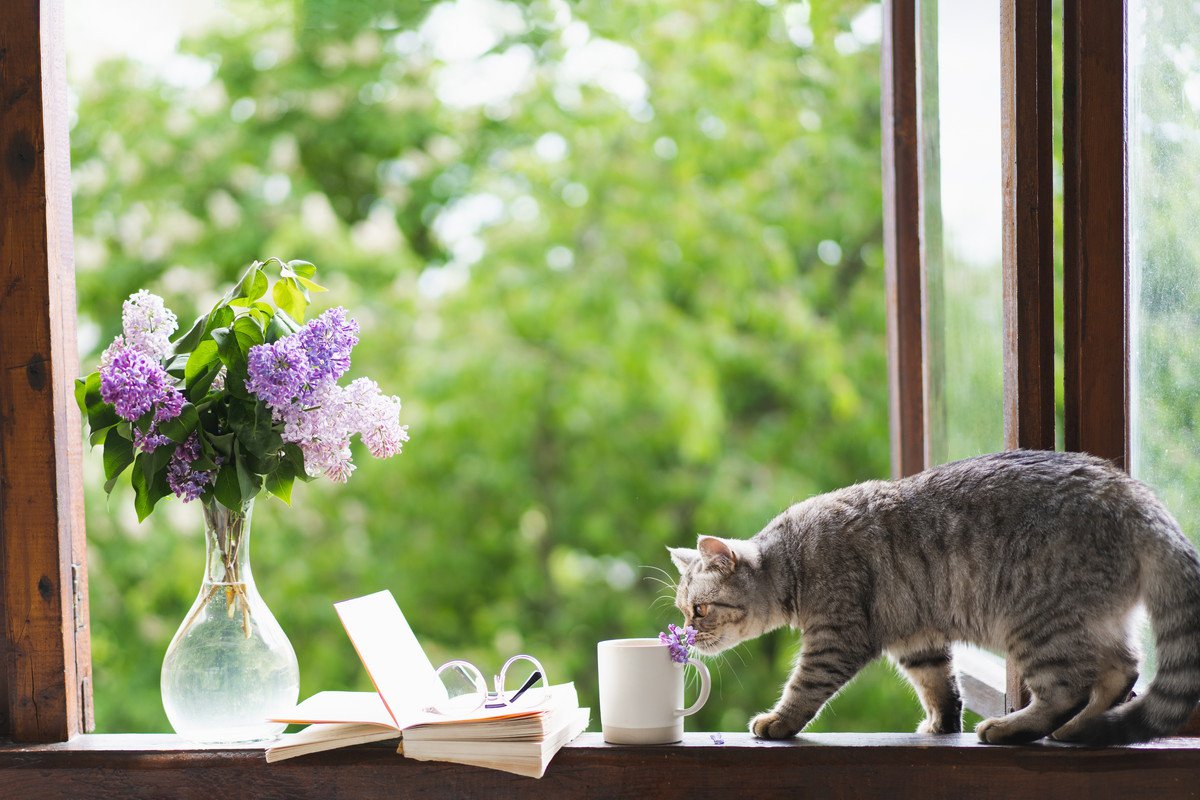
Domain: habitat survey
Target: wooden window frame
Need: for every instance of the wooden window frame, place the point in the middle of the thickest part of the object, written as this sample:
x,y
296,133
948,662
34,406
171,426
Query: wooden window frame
x,y
1095,252
44,638
45,686
1095,285
1027,262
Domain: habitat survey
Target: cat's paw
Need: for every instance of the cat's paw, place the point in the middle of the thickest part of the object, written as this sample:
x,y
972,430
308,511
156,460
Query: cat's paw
x,y
1005,730
771,725
929,725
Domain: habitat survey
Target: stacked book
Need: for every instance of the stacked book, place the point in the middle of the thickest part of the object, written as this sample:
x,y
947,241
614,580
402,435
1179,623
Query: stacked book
x,y
520,742
519,738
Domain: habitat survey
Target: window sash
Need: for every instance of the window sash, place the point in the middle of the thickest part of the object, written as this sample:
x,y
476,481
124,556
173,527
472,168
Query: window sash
x,y
1095,275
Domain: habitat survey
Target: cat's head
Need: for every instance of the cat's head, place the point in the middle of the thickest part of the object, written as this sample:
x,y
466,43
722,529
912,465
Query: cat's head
x,y
720,592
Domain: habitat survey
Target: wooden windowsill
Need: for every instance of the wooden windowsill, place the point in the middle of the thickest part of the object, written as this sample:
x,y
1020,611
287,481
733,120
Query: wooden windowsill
x,y
819,765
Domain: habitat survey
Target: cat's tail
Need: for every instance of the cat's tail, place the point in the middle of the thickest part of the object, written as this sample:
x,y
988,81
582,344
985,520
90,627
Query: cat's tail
x,y
1171,589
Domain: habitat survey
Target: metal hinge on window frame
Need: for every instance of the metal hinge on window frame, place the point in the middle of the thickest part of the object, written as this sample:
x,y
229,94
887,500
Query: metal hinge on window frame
x,y
76,596
87,709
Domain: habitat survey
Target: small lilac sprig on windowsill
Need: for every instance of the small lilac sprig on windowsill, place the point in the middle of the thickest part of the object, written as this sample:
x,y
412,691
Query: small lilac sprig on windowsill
x,y
679,641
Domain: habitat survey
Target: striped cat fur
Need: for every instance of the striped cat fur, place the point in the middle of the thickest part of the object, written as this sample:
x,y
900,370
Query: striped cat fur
x,y
1041,555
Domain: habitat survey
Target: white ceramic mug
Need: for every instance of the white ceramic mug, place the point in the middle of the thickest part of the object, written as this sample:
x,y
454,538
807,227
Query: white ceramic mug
x,y
641,692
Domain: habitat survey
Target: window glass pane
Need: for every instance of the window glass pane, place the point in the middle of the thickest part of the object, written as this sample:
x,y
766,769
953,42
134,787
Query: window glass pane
x,y
621,260
1164,252
963,247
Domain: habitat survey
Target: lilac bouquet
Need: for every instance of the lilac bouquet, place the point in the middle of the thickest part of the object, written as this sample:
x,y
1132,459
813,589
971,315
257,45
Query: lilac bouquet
x,y
247,399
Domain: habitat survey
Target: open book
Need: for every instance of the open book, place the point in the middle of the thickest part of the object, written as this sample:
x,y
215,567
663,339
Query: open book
x,y
518,738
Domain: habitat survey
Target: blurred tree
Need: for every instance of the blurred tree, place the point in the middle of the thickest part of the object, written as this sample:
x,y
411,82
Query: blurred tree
x,y
622,260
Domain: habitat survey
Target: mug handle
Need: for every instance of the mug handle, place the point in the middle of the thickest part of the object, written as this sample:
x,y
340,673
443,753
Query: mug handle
x,y
705,688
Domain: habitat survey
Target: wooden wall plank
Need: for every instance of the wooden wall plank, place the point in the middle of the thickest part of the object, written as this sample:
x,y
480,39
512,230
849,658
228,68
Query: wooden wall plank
x,y
1096,252
41,504
902,243
893,766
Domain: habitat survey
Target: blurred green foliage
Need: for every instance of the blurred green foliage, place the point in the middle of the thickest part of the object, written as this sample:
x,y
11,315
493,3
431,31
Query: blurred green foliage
x,y
635,297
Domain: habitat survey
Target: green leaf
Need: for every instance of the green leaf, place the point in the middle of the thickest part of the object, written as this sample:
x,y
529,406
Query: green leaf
x,y
155,461
98,435
187,343
280,481
312,286
81,393
221,317
248,482
226,487
181,427
248,332
235,384
232,355
199,388
118,454
246,287
176,365
289,298
199,362
293,456
302,268
149,485
223,444
281,325
254,427
203,463
102,416
258,285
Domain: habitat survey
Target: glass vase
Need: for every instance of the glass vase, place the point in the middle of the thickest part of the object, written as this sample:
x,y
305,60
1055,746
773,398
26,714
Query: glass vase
x,y
229,664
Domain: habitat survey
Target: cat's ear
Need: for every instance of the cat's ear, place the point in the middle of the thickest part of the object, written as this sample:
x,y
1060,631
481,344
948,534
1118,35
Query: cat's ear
x,y
717,552
683,557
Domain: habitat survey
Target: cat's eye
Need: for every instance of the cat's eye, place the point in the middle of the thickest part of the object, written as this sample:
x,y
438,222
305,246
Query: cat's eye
x,y
700,609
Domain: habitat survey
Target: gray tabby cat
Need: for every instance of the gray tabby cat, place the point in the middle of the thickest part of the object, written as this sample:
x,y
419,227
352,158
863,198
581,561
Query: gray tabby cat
x,y
1041,555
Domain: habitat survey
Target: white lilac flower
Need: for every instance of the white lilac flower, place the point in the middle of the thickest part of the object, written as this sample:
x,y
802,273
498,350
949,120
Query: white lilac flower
x,y
378,418
148,324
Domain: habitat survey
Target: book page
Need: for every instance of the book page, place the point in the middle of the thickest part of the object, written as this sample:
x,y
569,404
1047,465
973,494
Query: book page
x,y
358,707
403,675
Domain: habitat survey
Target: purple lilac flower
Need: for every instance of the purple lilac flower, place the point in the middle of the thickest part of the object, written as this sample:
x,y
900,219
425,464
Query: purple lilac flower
x,y
297,378
148,324
150,440
679,641
323,429
279,372
135,383
328,340
187,483
117,347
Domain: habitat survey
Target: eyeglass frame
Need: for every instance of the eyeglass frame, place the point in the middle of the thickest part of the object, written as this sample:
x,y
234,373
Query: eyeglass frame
x,y
496,699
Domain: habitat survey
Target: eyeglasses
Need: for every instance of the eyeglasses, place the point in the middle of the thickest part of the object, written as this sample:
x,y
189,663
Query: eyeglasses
x,y
522,683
